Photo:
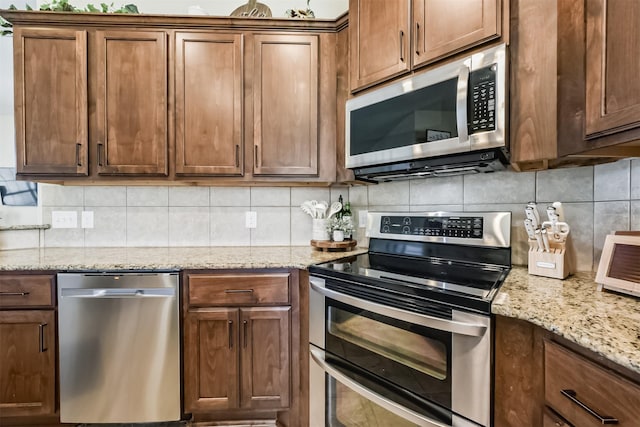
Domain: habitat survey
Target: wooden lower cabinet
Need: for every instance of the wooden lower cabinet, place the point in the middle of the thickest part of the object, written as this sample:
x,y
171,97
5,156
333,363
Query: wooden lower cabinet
x,y
240,360
27,363
544,380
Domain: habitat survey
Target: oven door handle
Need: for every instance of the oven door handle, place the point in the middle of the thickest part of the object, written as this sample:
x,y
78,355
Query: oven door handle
x,y
453,326
319,357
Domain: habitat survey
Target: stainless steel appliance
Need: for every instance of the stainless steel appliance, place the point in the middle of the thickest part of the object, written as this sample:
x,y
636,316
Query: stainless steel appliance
x,y
401,335
447,120
119,347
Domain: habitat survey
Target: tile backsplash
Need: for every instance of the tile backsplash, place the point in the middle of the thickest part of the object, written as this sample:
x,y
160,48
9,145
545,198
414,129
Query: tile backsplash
x,y
597,200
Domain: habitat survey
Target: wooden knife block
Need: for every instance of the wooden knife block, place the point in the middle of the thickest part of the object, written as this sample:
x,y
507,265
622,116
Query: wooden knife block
x,y
555,263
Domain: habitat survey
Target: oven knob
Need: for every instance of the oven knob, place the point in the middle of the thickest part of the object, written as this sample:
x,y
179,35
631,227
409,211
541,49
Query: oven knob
x,y
406,230
386,220
406,221
385,228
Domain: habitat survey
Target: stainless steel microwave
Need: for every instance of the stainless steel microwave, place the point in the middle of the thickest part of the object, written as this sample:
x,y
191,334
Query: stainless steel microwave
x,y
447,120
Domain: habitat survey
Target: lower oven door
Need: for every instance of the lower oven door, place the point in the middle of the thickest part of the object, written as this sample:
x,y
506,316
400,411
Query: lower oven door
x,y
432,370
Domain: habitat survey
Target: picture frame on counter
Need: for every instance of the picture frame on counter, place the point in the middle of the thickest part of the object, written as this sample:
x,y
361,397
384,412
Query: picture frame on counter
x,y
619,270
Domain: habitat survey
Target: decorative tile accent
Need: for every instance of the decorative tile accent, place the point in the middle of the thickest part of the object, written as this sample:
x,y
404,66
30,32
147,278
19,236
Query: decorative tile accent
x,y
147,196
612,181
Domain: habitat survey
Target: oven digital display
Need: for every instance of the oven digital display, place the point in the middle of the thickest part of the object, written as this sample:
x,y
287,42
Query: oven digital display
x,y
442,226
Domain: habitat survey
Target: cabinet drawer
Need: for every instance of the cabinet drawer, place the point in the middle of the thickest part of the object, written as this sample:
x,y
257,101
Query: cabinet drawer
x,y
26,290
241,289
582,391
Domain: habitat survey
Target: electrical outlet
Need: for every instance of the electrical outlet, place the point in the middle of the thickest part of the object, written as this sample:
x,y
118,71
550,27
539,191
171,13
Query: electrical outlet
x,y
251,219
87,219
362,219
64,219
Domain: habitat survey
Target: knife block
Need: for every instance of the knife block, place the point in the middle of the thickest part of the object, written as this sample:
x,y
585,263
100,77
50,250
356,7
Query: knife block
x,y
554,264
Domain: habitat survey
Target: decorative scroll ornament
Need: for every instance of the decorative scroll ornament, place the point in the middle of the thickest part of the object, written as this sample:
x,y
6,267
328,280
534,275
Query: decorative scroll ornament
x,y
252,9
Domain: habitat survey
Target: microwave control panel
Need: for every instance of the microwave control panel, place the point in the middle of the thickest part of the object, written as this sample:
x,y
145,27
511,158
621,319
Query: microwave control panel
x,y
442,226
482,100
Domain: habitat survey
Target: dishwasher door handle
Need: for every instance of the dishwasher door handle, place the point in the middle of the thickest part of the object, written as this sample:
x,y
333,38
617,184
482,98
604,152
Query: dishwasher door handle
x,y
119,293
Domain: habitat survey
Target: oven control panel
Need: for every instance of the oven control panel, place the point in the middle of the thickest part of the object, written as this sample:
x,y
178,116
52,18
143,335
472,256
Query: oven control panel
x,y
465,227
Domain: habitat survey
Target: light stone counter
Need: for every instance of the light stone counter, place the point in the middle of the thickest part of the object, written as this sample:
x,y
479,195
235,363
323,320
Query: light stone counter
x,y
169,258
604,322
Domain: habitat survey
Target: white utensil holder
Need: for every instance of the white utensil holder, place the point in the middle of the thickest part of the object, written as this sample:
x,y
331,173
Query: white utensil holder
x,y
319,230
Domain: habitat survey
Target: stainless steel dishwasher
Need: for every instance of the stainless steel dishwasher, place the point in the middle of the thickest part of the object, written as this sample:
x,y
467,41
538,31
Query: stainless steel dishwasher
x,y
119,347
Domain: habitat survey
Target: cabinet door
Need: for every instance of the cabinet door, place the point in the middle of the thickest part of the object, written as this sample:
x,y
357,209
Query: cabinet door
x,y
442,27
265,357
131,102
379,31
51,101
209,104
27,363
612,66
211,359
285,107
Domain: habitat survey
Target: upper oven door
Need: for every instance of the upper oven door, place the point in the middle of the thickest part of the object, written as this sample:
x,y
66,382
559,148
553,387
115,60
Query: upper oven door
x,y
454,108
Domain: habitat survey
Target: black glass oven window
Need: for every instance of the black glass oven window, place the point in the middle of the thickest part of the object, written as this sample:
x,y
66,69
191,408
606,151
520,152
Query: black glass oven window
x,y
424,115
424,354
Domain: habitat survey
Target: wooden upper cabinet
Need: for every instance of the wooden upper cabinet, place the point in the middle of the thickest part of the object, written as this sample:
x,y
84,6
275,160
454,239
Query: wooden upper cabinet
x,y
265,357
27,363
442,27
131,102
285,104
379,39
51,101
209,103
612,66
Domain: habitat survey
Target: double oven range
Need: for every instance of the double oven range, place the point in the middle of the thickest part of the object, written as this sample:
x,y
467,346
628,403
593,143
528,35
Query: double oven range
x,y
402,335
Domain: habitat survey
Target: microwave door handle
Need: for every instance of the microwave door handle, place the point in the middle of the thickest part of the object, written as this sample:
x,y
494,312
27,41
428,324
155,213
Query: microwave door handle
x,y
461,104
456,327
319,357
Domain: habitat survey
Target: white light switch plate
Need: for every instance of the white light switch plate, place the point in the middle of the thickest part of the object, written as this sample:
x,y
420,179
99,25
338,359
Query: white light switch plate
x,y
362,219
64,219
251,219
87,219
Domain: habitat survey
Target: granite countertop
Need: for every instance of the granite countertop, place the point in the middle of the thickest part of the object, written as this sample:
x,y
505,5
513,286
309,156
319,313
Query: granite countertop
x,y
604,322
166,258
24,227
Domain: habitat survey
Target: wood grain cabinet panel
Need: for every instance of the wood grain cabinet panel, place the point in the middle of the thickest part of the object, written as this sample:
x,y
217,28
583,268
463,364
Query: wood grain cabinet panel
x,y
26,290
209,103
131,103
27,363
442,27
612,66
285,104
265,357
379,40
50,67
211,359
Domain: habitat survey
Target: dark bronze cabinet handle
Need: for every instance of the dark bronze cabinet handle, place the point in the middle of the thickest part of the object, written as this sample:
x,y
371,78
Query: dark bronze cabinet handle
x,y
255,149
41,333
417,38
100,154
237,156
238,291
78,160
401,45
14,294
573,396
230,333
244,325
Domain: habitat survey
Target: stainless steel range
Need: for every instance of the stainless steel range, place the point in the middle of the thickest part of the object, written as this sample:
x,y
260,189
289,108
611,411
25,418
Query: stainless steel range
x,y
401,335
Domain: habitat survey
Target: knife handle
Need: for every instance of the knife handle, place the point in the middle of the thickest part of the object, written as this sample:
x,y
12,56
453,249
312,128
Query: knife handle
x,y
532,213
545,239
528,225
538,234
